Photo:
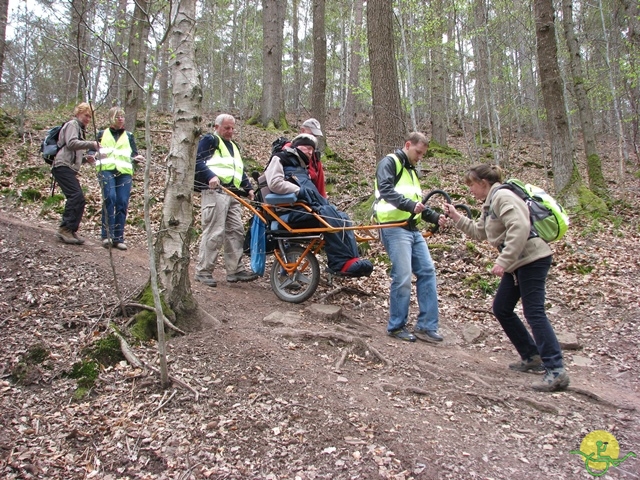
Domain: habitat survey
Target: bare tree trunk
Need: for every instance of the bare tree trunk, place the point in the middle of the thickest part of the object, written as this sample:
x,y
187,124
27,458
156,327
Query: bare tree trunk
x,y
594,165
408,71
566,176
632,20
163,80
622,142
388,119
349,116
437,83
481,57
114,92
79,38
295,58
175,235
136,63
273,113
4,11
319,85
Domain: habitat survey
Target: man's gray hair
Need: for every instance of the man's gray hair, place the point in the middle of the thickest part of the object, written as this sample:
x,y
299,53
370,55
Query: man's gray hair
x,y
222,117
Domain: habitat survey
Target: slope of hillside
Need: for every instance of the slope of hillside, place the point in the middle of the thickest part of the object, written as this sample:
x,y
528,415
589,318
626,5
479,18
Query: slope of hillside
x,y
270,390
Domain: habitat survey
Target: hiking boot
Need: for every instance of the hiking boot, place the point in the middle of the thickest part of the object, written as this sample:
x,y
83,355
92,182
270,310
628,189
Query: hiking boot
x,y
80,240
120,246
206,279
428,335
242,276
531,364
555,379
106,243
402,334
66,236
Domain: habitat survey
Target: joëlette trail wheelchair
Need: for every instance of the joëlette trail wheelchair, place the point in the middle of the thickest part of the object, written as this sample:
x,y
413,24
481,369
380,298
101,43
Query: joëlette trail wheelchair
x,y
295,272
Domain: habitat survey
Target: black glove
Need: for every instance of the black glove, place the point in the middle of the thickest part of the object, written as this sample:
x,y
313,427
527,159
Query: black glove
x,y
430,216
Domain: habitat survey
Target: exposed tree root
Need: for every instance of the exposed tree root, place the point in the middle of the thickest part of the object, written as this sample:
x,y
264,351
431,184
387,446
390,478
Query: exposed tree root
x,y
150,308
543,407
599,399
333,336
390,387
136,362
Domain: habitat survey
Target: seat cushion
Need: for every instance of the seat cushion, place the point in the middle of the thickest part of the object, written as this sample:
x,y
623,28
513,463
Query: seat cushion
x,y
277,199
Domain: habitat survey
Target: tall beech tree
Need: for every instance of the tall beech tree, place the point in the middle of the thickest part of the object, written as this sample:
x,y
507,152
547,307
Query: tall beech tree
x,y
388,118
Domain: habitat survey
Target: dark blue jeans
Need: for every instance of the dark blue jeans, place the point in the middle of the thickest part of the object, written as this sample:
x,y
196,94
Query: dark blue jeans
x,y
528,284
67,178
116,190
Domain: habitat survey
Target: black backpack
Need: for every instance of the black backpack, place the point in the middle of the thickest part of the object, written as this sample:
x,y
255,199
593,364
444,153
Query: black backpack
x,y
278,144
49,146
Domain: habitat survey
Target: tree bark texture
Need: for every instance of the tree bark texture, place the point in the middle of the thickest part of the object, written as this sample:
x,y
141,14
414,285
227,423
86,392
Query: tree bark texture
x,y
566,177
78,60
585,114
388,119
4,10
272,112
319,85
176,233
439,127
136,63
115,92
349,116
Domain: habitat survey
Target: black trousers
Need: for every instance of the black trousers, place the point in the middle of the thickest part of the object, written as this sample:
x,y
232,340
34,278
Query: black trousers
x,y
67,178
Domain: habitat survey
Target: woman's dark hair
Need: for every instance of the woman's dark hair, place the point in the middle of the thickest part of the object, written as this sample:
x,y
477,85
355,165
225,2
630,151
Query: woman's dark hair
x,y
486,171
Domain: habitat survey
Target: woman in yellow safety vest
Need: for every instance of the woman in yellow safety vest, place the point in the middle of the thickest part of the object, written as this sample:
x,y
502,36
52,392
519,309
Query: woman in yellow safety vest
x,y
115,164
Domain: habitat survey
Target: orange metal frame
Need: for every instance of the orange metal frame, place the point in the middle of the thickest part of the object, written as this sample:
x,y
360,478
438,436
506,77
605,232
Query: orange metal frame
x,y
363,233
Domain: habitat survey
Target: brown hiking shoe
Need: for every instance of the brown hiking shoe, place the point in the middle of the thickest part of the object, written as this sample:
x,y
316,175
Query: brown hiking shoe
x,y
79,239
531,364
555,379
66,236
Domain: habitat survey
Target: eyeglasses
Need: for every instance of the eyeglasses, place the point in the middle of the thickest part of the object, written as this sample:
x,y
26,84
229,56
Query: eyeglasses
x,y
119,117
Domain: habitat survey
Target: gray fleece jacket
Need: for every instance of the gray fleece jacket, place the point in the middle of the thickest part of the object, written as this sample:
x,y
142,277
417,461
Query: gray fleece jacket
x,y
73,145
505,224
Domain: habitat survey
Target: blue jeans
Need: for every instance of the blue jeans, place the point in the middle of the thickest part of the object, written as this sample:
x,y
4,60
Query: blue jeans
x,y
116,190
530,288
409,253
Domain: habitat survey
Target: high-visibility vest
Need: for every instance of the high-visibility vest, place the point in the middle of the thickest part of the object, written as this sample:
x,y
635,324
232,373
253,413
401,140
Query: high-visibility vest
x,y
116,154
228,168
408,185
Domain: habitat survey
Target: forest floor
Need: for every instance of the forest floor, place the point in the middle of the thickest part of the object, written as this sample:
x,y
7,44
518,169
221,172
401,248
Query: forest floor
x,y
272,390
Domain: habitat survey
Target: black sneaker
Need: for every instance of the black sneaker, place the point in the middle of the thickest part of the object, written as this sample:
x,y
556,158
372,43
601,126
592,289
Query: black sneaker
x,y
242,276
402,334
531,364
555,379
428,336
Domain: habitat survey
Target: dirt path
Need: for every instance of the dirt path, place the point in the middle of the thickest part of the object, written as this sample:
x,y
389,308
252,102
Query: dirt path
x,y
285,391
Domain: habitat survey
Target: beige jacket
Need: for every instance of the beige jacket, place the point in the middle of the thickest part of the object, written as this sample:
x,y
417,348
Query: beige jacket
x,y
71,139
505,224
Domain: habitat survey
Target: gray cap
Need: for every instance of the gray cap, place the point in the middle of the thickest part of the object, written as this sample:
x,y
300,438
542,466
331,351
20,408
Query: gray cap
x,y
314,126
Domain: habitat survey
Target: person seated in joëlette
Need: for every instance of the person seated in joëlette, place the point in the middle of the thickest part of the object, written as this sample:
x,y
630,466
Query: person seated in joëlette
x,y
287,172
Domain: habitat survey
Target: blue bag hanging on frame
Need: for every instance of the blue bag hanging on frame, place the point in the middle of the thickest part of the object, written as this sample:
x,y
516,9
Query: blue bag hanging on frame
x,y
258,245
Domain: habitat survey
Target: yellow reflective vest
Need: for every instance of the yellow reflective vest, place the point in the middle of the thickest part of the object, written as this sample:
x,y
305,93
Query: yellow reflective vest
x,y
116,155
228,168
408,185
